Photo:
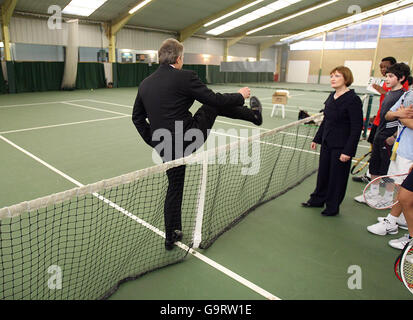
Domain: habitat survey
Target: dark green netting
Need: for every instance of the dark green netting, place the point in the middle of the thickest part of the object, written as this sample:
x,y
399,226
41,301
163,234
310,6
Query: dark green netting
x,y
90,75
38,76
3,88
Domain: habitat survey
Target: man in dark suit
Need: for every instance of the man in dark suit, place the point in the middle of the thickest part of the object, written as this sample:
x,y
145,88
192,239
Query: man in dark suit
x,y
164,98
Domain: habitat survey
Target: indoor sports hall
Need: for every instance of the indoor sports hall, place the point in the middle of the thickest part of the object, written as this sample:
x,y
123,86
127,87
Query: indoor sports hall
x,y
82,195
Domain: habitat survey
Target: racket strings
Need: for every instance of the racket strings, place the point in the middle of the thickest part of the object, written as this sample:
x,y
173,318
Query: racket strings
x,y
408,268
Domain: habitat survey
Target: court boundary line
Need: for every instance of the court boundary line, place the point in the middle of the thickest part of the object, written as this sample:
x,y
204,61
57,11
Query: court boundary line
x,y
61,125
95,109
194,253
40,103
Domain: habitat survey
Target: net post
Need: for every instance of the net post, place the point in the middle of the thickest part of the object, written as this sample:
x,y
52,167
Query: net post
x,y
201,202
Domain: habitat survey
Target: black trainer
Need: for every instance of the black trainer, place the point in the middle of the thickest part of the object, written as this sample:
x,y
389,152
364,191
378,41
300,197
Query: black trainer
x,y
176,236
308,204
364,179
256,107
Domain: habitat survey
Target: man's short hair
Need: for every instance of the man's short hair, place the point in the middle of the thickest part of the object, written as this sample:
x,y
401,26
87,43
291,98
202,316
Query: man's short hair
x,y
400,70
392,60
169,51
347,74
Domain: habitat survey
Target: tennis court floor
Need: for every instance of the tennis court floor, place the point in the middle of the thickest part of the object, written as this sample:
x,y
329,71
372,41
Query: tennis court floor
x,y
48,140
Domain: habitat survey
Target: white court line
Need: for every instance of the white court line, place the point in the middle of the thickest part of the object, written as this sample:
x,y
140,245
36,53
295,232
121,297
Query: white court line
x,y
63,124
295,107
274,144
263,142
96,109
196,254
40,103
111,103
242,125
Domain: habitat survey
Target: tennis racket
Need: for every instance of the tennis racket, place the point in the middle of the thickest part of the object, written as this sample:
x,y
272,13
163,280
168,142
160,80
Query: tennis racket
x,y
381,193
359,165
403,266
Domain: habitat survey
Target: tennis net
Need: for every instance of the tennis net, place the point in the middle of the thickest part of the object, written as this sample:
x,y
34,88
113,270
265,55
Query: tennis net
x,y
84,242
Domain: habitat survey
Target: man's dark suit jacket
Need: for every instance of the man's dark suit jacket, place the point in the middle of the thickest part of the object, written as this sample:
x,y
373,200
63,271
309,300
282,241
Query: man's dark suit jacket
x,y
342,124
167,95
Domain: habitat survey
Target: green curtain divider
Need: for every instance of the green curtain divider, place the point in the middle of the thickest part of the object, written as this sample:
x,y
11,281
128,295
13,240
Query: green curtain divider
x,y
38,76
200,69
3,88
131,74
216,76
90,75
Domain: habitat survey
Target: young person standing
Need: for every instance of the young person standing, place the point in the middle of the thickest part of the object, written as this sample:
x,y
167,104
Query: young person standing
x,y
396,76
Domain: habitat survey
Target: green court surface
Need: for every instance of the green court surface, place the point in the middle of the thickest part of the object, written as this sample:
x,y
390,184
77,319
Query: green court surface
x,y
281,248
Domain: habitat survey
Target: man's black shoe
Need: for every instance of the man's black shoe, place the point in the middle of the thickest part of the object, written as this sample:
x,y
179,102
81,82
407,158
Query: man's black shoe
x,y
329,214
176,236
256,107
311,205
364,179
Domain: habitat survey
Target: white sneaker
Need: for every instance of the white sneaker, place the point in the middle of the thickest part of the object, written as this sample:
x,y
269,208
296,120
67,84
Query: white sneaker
x,y
369,196
360,199
401,221
384,227
400,243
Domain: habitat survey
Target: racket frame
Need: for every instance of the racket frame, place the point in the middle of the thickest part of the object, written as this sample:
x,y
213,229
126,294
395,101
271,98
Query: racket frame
x,y
375,180
402,259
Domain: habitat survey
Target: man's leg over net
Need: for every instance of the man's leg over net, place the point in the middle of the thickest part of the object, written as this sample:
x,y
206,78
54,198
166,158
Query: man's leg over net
x,y
173,203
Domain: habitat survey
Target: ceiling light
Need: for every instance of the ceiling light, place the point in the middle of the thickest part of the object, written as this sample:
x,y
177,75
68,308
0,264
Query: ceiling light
x,y
233,12
254,15
83,7
139,6
292,16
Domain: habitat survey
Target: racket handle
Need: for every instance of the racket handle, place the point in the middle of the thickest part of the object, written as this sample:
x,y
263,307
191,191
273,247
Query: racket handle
x,y
394,151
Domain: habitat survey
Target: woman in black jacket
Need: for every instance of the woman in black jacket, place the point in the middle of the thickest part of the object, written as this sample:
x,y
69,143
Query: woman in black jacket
x,y
339,134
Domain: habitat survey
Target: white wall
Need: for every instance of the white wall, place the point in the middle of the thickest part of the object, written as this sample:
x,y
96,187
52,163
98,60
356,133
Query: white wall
x,y
30,30
36,31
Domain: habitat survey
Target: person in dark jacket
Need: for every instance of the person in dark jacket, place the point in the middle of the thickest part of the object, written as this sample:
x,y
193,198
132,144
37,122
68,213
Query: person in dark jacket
x,y
164,98
338,135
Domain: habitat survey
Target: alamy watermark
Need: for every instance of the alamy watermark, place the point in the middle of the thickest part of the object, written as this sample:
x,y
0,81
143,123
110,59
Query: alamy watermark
x,y
354,282
55,20
55,281
182,143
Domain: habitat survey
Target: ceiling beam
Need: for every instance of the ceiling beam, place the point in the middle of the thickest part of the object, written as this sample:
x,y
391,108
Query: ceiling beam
x,y
6,12
190,30
269,43
113,27
7,9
